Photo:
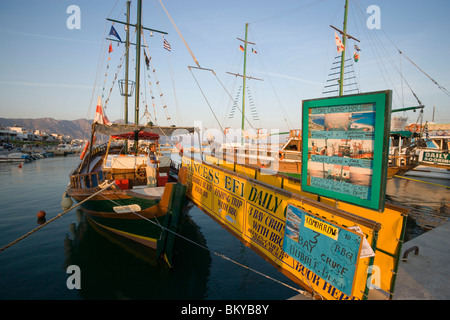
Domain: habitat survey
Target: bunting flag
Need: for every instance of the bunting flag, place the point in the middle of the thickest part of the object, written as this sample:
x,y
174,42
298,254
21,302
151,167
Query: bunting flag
x,y
356,56
254,51
147,61
110,48
113,32
167,45
100,116
357,48
339,45
241,48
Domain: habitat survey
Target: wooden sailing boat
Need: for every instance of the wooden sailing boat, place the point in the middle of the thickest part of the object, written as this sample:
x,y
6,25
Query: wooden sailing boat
x,y
113,184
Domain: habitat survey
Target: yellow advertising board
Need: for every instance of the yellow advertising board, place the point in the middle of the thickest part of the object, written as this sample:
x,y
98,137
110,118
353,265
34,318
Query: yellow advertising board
x,y
327,256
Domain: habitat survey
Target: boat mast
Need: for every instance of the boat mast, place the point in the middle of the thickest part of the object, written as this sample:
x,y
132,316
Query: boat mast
x,y
344,42
127,63
138,73
243,84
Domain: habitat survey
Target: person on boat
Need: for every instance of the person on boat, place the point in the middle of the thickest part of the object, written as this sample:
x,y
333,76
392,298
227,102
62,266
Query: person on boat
x,y
152,166
315,149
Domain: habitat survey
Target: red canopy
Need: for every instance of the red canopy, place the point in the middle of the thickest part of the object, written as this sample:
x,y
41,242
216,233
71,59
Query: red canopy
x,y
143,135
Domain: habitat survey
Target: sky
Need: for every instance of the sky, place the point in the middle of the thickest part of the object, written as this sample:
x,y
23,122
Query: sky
x,y
54,61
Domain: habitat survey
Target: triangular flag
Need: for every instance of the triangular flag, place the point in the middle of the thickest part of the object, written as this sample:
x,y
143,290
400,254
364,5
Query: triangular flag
x,y
110,48
100,116
340,46
113,32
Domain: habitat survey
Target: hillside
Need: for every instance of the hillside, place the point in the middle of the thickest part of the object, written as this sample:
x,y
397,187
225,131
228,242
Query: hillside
x,y
76,129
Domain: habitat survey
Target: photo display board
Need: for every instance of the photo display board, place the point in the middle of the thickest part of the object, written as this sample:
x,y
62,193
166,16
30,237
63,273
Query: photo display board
x,y
345,147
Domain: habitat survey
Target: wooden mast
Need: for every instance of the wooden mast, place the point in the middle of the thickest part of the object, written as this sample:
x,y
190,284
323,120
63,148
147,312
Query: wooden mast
x,y
243,85
127,63
344,42
137,72
244,76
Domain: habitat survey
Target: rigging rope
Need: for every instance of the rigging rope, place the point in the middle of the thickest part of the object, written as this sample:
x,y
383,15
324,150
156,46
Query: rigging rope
x,y
447,92
161,95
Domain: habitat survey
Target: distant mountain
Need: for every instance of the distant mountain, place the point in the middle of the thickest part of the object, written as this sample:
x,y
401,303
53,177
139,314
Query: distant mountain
x,y
76,129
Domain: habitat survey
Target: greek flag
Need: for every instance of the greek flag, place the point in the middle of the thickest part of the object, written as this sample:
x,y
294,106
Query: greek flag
x,y
167,45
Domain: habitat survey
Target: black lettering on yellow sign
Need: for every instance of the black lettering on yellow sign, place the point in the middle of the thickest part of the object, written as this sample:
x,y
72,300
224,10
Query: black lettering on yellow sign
x,y
264,199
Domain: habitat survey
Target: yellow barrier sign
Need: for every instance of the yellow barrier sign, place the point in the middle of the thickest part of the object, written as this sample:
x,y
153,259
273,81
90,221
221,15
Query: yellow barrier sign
x,y
326,260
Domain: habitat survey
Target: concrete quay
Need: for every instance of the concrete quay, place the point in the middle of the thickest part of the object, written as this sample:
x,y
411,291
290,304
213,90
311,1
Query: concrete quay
x,y
425,276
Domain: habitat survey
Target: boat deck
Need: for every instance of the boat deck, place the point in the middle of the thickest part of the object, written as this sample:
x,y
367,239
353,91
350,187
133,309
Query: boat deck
x,y
151,192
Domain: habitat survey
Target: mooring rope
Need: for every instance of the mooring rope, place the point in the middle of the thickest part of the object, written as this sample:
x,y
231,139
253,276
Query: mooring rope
x,y
56,217
434,184
303,292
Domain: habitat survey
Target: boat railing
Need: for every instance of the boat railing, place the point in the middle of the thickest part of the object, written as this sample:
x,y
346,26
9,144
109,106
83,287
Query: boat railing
x,y
403,160
86,180
97,150
290,155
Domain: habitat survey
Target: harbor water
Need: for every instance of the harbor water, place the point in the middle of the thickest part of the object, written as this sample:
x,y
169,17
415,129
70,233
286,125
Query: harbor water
x,y
37,267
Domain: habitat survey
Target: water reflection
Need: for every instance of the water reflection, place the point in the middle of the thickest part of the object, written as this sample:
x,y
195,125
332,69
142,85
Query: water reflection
x,y
112,269
429,204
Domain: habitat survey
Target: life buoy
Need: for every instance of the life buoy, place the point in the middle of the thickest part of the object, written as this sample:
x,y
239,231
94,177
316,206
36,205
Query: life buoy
x,y
281,155
414,127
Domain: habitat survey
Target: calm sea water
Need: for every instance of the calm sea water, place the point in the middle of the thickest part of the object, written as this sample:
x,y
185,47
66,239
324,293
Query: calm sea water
x,y
36,267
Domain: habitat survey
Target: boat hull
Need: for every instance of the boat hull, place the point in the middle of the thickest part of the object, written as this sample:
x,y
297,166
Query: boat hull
x,y
142,226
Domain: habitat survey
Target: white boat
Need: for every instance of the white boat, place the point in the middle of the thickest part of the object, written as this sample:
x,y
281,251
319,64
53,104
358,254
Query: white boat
x,y
15,157
436,153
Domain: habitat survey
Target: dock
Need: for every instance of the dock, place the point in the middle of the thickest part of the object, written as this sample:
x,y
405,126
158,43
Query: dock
x,y
425,276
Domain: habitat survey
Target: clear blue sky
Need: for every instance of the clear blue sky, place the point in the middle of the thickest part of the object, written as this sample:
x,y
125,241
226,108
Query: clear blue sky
x,y
48,70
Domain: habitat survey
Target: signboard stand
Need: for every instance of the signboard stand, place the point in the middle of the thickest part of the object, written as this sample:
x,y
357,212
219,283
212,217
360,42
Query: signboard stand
x,y
345,148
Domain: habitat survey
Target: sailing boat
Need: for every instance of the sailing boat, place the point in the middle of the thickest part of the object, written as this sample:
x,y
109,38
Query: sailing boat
x,y
287,160
116,188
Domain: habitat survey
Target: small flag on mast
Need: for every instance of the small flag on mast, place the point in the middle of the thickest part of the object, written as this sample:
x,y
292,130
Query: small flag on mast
x,y
113,32
167,45
254,51
356,56
241,48
357,48
110,48
340,46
